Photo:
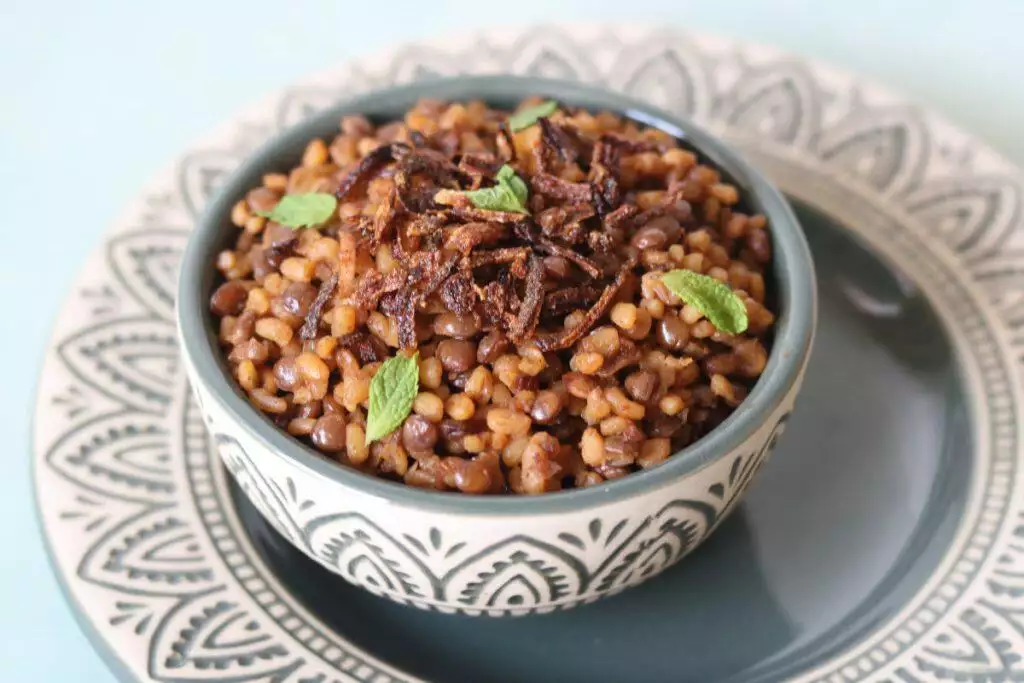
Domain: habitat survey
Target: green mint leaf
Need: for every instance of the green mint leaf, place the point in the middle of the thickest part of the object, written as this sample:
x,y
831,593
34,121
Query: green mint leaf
x,y
303,210
715,300
510,194
392,391
527,117
507,176
497,198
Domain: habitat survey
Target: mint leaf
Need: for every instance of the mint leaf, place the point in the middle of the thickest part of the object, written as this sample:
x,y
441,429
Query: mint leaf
x,y
510,194
715,300
302,210
497,198
506,176
392,391
527,117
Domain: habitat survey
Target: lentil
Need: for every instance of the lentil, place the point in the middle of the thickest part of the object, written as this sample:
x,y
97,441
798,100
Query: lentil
x,y
229,299
328,433
456,355
419,435
642,385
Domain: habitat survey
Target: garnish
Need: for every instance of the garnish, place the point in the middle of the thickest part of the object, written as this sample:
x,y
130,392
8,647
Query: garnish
x,y
715,300
303,210
311,326
527,117
509,194
392,391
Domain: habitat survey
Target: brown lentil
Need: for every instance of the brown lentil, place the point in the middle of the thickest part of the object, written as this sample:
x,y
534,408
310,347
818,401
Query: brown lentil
x,y
229,299
653,452
493,345
328,433
456,355
673,333
457,326
419,435
642,385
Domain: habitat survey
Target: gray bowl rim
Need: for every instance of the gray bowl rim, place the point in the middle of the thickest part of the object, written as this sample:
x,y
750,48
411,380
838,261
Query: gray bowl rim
x,y
792,266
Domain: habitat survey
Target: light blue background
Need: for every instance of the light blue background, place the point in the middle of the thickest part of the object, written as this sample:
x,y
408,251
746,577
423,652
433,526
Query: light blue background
x,y
99,95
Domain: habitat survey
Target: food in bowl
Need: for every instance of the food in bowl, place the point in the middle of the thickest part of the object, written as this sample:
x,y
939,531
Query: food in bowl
x,y
485,302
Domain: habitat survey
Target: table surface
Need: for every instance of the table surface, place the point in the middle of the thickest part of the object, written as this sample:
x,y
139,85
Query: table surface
x,y
101,95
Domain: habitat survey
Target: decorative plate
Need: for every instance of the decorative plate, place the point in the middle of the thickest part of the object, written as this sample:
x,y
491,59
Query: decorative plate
x,y
884,542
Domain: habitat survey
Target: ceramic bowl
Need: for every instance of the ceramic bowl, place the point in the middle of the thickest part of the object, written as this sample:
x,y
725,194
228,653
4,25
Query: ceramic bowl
x,y
511,554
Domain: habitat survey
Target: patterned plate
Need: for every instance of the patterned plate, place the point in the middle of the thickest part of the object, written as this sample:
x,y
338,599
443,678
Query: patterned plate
x,y
885,542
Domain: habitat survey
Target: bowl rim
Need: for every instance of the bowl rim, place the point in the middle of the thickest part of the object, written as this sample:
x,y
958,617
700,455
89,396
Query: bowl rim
x,y
792,265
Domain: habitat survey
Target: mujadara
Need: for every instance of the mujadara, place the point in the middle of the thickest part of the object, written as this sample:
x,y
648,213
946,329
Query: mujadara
x,y
491,302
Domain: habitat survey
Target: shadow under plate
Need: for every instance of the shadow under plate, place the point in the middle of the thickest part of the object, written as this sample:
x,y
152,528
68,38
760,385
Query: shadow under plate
x,y
849,517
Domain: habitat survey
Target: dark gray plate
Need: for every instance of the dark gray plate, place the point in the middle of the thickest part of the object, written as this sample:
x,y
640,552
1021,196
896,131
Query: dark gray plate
x,y
851,515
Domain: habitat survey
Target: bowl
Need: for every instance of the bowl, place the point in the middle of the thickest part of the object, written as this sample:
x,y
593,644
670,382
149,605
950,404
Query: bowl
x,y
499,555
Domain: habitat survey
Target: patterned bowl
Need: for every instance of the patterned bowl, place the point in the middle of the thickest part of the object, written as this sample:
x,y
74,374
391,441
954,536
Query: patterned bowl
x,y
495,555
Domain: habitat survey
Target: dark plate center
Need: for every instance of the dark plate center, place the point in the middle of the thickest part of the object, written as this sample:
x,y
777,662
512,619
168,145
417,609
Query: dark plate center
x,y
844,524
